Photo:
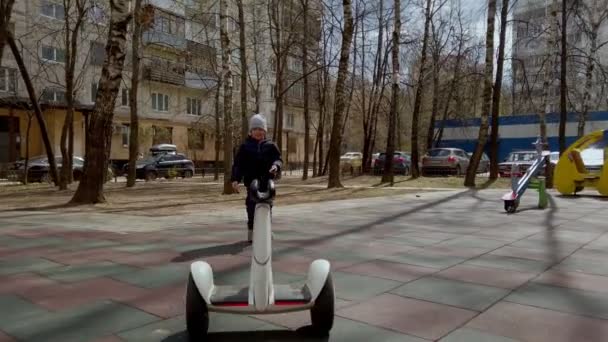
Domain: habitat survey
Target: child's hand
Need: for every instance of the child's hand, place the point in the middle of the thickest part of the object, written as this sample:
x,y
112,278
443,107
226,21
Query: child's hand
x,y
235,187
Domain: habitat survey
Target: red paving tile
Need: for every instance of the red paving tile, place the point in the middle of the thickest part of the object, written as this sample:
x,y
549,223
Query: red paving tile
x,y
23,283
112,338
389,270
41,251
528,323
292,264
487,276
143,259
460,252
527,253
575,280
85,256
409,316
164,302
5,337
64,296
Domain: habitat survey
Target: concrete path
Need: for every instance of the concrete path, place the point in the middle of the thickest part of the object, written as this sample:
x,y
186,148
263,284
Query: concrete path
x,y
437,266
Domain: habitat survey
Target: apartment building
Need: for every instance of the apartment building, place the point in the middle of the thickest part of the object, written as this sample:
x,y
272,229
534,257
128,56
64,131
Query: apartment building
x,y
529,62
177,91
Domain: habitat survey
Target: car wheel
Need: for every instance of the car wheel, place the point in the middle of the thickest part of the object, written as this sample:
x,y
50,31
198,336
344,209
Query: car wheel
x,y
187,174
46,178
458,170
150,175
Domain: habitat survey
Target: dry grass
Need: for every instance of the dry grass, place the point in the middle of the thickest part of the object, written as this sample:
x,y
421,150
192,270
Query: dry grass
x,y
168,198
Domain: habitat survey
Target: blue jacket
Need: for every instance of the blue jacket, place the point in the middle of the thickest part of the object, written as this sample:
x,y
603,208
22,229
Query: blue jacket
x,y
254,159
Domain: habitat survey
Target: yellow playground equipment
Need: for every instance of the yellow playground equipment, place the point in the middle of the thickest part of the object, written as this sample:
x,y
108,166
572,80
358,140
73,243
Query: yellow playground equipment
x,y
572,175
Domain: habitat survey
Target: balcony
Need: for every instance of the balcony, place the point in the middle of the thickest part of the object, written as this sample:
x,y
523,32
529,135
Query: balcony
x,y
164,39
173,74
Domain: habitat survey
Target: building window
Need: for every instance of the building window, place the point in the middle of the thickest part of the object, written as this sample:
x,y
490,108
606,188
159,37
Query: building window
x,y
52,10
160,102
125,133
8,80
289,123
97,54
94,88
162,135
53,95
97,15
124,98
196,139
193,106
54,54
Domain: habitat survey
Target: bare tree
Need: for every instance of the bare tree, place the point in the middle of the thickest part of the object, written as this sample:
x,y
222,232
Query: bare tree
x,y
305,42
243,59
72,36
487,97
497,91
6,10
10,39
591,16
336,132
99,130
388,176
420,89
227,108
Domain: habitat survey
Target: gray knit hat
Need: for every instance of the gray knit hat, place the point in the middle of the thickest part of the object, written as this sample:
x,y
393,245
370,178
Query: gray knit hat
x,y
257,121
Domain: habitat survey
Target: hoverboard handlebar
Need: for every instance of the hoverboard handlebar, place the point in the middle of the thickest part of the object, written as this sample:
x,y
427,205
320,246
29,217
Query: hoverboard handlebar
x,y
259,196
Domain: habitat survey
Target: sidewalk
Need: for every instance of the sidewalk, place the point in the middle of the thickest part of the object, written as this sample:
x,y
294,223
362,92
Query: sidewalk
x,y
437,266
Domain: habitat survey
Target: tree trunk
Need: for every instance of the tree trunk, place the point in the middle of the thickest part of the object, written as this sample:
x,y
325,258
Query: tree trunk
x,y
218,132
388,176
435,105
497,92
563,88
6,10
36,106
306,92
99,142
336,133
243,55
71,43
133,95
227,75
550,54
27,146
419,91
590,69
487,97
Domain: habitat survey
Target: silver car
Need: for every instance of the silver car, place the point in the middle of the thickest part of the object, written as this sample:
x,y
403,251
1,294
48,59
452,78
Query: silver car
x,y
445,161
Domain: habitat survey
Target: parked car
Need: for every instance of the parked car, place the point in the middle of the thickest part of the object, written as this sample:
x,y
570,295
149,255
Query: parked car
x,y
445,161
402,163
351,162
520,160
164,165
484,163
38,169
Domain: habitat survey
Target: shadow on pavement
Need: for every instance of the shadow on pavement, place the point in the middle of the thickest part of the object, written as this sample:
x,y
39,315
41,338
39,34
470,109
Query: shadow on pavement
x,y
300,335
229,249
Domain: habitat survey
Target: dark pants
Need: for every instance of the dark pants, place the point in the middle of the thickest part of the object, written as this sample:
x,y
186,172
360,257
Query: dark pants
x,y
250,204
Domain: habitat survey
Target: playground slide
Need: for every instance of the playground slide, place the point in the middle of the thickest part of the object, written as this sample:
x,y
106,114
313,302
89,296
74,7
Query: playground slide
x,y
519,186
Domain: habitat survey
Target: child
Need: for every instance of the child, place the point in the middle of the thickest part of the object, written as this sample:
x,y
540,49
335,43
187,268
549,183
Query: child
x,y
257,158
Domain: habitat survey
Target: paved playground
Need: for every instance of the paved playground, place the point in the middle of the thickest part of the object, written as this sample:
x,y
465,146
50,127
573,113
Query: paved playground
x,y
448,266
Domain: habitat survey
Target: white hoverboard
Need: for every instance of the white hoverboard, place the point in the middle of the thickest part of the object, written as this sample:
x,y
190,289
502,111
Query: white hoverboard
x,y
261,296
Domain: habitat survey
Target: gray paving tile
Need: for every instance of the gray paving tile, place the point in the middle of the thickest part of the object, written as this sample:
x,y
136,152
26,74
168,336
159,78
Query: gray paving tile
x,y
20,265
451,292
580,302
473,335
358,287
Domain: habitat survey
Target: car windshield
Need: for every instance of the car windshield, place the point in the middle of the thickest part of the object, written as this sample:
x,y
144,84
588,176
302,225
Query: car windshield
x,y
150,159
522,156
594,154
439,152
